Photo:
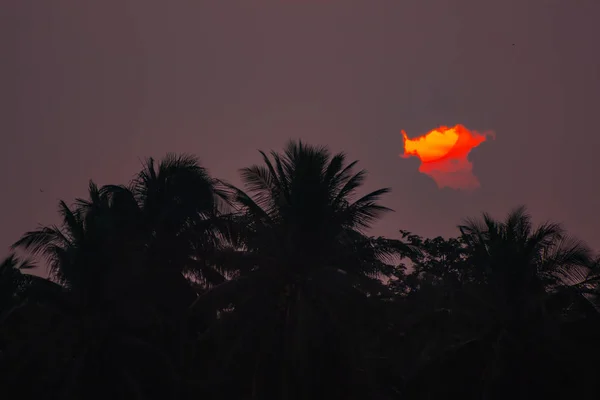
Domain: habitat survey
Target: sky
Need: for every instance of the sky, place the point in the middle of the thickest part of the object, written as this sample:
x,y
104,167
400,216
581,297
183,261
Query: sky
x,y
89,88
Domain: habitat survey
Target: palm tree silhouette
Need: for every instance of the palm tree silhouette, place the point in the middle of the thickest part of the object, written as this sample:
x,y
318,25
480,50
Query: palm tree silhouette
x,y
303,261
121,254
178,285
522,264
523,268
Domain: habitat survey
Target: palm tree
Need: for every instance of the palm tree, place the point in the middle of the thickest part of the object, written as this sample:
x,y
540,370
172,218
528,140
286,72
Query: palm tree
x,y
165,220
305,269
499,337
180,205
121,253
87,252
523,269
60,246
523,264
27,304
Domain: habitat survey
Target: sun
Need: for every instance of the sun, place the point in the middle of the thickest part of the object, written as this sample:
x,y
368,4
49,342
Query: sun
x,y
444,152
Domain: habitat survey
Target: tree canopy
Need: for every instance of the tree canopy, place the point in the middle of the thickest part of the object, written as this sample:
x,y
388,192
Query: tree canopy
x,y
179,285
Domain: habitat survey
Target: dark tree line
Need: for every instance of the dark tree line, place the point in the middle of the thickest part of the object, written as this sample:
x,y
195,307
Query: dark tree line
x,y
181,286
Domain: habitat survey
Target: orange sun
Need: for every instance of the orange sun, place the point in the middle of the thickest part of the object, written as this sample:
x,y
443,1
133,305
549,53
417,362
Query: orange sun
x,y
444,155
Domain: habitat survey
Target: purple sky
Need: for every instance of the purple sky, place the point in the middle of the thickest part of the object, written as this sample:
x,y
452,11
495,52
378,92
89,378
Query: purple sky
x,y
89,87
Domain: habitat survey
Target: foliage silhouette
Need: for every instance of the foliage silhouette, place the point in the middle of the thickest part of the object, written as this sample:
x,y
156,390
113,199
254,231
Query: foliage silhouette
x,y
178,285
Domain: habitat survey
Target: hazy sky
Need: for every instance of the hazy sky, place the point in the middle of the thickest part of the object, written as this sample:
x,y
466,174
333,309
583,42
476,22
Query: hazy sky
x,y
87,88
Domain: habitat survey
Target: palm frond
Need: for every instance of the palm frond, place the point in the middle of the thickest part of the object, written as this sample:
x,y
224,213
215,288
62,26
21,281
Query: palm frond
x,y
350,186
42,240
247,203
364,211
261,183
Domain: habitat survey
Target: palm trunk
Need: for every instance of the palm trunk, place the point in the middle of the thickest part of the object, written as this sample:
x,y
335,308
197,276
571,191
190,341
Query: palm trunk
x,y
288,333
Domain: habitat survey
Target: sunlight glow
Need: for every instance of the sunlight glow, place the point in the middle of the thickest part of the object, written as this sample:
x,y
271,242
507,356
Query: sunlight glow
x,y
444,152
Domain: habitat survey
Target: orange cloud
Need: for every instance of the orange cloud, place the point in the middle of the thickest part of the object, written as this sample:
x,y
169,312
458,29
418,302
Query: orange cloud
x,y
444,155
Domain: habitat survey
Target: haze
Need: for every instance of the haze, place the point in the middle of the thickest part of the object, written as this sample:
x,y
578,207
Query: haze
x,y
89,88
